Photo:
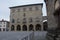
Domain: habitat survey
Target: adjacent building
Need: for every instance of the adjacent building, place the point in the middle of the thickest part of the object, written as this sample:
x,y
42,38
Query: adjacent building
x,y
26,17
53,7
4,25
53,14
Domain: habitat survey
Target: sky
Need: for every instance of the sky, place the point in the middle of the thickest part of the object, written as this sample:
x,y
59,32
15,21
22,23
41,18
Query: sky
x,y
5,4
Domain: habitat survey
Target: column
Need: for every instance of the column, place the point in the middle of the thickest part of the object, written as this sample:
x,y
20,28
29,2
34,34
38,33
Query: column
x,y
27,27
42,26
21,28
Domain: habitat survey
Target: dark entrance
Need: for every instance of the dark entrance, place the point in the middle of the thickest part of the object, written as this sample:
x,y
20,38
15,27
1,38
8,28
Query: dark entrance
x,y
38,27
18,27
31,27
12,28
24,28
0,29
45,26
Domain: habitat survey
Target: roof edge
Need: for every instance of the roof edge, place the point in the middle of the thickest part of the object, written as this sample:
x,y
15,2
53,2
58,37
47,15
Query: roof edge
x,y
26,5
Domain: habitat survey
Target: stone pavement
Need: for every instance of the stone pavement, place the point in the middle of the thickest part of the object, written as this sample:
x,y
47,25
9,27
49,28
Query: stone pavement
x,y
24,35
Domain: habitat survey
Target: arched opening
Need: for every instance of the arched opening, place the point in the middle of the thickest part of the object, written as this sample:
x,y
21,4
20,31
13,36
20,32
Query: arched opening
x,y
57,18
24,28
18,28
0,29
56,4
38,27
31,27
45,26
12,28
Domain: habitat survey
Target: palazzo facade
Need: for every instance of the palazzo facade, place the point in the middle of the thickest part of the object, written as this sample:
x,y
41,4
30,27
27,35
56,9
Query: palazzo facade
x,y
26,17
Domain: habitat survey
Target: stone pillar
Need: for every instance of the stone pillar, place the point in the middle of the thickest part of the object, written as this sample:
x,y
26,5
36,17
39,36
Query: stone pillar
x,y
27,27
21,28
1,29
41,27
15,27
10,27
34,27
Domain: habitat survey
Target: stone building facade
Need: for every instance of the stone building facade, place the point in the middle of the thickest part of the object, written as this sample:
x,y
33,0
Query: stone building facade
x,y
26,17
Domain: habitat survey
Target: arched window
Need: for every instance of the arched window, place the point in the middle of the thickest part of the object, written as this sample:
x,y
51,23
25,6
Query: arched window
x,y
30,9
13,11
24,9
31,27
24,20
24,28
18,27
18,10
37,8
12,28
13,21
38,27
37,19
18,20
30,19
45,26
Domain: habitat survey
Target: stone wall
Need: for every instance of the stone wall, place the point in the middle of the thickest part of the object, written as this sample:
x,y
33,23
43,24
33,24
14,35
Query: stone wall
x,y
50,5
